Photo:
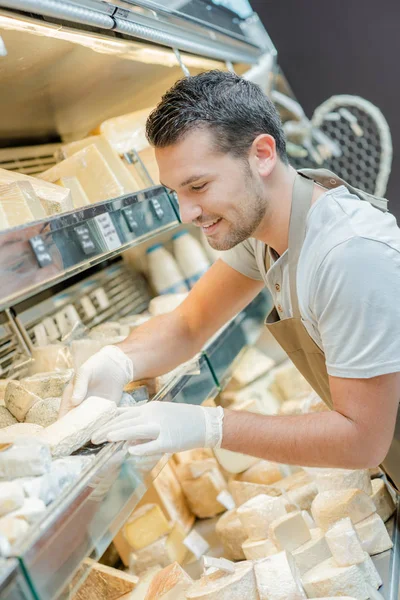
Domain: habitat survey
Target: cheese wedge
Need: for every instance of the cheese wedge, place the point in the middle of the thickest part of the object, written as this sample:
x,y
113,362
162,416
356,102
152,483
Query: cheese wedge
x,y
226,586
329,507
327,579
232,535
201,493
289,531
257,514
19,400
277,578
373,535
242,491
145,526
309,555
256,549
103,582
343,479
263,472
344,543
171,583
302,497
382,499
48,385
78,195
45,412
162,552
19,204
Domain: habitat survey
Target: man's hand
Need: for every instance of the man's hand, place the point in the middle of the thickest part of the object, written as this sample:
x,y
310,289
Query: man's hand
x,y
164,427
104,374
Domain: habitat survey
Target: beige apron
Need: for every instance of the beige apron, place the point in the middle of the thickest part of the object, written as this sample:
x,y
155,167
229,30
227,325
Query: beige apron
x,y
290,333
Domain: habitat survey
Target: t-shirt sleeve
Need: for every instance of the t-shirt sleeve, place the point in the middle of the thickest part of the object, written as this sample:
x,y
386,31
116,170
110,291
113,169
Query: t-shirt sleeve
x,y
242,258
357,307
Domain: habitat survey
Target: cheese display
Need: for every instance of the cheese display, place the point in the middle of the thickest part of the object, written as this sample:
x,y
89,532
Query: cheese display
x,y
344,543
329,507
382,499
103,582
19,400
257,514
162,552
256,549
44,412
242,491
11,496
226,586
343,479
48,385
32,510
25,457
288,382
327,579
277,578
171,583
373,535
6,418
141,589
310,554
289,531
19,204
145,526
263,472
76,428
232,535
127,132
201,493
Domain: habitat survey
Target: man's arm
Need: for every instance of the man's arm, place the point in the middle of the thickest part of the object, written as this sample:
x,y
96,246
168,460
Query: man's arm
x,y
356,434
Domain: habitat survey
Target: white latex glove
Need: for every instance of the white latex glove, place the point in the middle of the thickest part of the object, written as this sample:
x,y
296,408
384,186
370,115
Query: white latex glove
x,y
104,374
164,427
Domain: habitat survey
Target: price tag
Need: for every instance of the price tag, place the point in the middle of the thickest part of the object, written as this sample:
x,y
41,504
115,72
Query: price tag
x,y
196,544
43,256
226,500
85,239
108,230
129,216
156,206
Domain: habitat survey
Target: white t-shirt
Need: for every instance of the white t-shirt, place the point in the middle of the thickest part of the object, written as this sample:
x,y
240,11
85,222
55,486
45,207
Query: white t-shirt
x,y
348,283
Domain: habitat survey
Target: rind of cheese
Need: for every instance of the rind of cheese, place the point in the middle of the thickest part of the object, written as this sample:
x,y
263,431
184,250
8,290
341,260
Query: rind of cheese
x,y
373,535
242,491
263,472
19,204
11,496
53,357
257,514
76,428
25,458
103,582
19,400
289,532
155,554
327,579
171,583
382,499
226,586
48,385
45,412
277,578
313,552
13,528
329,507
19,431
344,543
252,365
145,526
302,497
201,493
6,418
343,479
370,572
256,549
232,535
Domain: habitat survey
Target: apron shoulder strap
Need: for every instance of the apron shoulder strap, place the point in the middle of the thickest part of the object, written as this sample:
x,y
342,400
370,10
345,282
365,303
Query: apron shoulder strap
x,y
329,180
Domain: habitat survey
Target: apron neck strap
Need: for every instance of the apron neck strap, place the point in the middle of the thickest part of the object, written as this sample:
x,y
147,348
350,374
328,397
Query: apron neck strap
x,y
301,201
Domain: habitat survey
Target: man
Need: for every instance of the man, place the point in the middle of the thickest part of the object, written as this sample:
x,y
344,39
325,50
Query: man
x,y
219,144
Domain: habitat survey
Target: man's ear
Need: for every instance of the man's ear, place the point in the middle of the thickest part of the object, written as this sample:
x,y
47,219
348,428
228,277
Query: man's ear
x,y
263,154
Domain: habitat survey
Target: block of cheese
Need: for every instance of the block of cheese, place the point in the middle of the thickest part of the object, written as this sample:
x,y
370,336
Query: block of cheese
x,y
329,507
127,132
162,552
45,412
188,456
293,481
327,579
344,543
13,529
242,491
226,586
171,583
370,572
232,535
18,431
48,385
312,552
19,400
11,496
103,582
303,496
78,195
343,479
145,526
196,468
53,357
289,531
256,549
373,535
382,499
93,172
263,472
252,365
32,510
24,458
46,192
6,418
145,579
257,514
201,493
76,428
19,204
277,578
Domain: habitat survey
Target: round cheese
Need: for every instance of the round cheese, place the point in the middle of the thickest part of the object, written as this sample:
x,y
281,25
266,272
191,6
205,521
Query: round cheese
x,y
329,507
327,579
258,513
232,535
226,586
277,579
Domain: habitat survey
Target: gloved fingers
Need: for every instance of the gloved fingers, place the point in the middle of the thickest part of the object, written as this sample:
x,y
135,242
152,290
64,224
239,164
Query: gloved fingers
x,y
151,448
101,435
81,385
147,431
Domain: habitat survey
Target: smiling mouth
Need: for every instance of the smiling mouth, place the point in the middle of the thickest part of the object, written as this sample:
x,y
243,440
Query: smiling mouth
x,y
211,226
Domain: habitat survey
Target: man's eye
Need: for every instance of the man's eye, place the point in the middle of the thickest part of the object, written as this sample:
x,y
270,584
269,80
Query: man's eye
x,y
197,188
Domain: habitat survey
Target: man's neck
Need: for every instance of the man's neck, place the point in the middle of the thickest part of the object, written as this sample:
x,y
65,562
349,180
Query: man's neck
x,y
274,229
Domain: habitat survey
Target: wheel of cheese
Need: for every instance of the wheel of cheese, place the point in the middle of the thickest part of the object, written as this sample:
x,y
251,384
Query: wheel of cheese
x,y
329,507
303,496
327,579
343,479
312,552
345,544
382,499
276,578
258,513
239,585
201,493
263,472
373,535
171,583
232,535
289,532
242,491
256,549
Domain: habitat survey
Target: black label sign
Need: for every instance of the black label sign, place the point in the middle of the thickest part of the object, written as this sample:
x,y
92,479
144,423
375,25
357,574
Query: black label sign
x,y
85,239
43,256
129,216
158,211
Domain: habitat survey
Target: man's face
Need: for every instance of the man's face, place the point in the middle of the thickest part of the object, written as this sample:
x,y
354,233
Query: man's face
x,y
216,191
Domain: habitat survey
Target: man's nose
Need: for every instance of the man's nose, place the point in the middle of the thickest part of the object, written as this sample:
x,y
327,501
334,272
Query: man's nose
x,y
188,211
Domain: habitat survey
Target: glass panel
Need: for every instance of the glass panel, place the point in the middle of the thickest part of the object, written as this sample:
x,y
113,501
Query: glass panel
x,y
12,583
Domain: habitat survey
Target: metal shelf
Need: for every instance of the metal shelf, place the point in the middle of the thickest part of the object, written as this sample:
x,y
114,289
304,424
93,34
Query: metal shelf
x,y
36,256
